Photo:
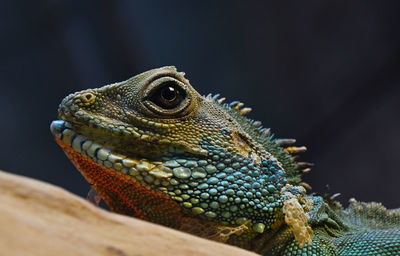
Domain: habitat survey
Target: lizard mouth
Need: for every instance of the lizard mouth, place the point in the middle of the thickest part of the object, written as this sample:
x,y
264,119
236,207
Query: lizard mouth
x,y
142,170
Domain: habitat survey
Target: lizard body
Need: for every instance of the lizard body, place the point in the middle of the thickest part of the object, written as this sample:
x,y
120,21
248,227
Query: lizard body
x,y
153,148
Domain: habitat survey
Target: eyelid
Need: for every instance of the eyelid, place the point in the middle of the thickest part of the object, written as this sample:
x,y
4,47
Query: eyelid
x,y
155,84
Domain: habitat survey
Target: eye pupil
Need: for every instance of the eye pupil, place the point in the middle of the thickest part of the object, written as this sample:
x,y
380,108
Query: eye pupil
x,y
169,93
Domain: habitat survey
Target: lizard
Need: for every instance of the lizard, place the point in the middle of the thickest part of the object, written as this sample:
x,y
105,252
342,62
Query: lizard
x,y
153,148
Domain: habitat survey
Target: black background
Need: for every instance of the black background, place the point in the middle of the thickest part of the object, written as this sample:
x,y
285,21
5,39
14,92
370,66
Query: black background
x,y
324,72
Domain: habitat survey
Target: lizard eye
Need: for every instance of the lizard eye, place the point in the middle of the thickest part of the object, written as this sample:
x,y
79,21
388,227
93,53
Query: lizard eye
x,y
167,95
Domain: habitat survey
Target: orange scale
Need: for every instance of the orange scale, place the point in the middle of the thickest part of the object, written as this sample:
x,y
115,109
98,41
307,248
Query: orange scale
x,y
125,195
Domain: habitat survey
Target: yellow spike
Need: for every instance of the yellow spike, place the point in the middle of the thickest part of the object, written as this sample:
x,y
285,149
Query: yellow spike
x,y
295,150
306,185
304,164
239,106
245,111
220,101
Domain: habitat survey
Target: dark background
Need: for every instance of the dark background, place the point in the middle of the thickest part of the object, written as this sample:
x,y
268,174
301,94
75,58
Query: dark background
x,y
324,72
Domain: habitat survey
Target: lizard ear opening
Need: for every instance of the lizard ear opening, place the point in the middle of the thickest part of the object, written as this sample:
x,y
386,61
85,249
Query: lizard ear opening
x,y
166,96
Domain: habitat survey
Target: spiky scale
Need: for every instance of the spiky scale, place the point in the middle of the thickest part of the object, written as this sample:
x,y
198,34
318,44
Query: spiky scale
x,y
215,97
304,164
266,131
257,124
239,106
335,196
233,104
245,111
306,185
221,100
295,150
285,142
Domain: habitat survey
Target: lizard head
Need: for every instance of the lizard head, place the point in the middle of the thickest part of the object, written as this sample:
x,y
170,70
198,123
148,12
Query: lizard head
x,y
154,148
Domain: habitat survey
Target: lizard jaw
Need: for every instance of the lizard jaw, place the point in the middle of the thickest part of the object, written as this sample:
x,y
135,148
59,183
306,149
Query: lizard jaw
x,y
135,195
146,172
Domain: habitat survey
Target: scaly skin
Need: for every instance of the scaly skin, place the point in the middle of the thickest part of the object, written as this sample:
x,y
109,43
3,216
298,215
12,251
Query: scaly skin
x,y
153,148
